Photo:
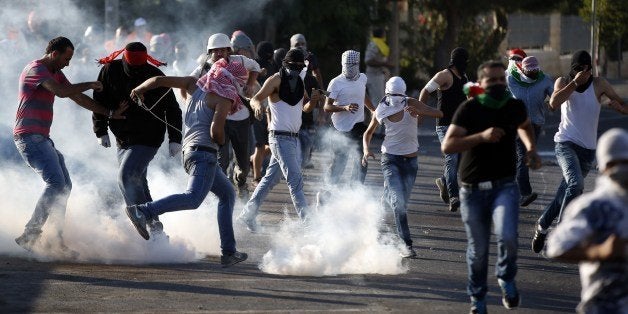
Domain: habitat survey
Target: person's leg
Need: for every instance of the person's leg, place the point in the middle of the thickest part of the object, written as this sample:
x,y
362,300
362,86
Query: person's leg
x,y
506,222
306,147
201,168
450,169
270,179
476,215
39,153
222,188
287,156
339,159
358,174
523,175
576,166
133,164
261,145
224,153
240,143
395,194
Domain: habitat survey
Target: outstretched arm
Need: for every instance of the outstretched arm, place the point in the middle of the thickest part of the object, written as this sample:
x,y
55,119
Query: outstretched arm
x,y
184,82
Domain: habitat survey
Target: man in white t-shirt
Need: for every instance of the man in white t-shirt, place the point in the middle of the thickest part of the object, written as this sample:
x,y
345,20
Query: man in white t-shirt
x,y
237,125
594,231
346,101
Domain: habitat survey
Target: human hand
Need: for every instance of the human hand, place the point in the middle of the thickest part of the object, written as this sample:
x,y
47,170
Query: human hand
x,y
96,86
353,107
583,76
137,94
492,135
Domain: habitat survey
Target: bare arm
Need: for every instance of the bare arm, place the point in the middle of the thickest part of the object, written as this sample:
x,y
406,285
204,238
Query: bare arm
x,y
456,140
250,83
330,107
270,86
563,89
366,140
613,248
221,109
616,102
313,102
89,104
368,103
441,79
187,83
64,91
419,108
526,134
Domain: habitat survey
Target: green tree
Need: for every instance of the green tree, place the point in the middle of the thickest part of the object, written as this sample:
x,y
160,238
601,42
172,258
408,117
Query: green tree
x,y
612,16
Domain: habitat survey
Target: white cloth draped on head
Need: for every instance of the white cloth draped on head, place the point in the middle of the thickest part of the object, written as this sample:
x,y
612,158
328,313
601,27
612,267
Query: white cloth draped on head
x,y
394,100
351,65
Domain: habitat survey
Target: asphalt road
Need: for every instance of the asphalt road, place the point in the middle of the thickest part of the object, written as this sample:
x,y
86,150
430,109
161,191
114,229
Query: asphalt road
x,y
433,283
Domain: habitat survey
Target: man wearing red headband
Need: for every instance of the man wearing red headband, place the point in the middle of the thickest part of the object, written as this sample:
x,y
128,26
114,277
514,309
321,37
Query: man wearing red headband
x,y
141,134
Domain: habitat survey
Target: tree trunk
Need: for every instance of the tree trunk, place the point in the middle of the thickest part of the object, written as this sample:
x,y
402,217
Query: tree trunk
x,y
450,39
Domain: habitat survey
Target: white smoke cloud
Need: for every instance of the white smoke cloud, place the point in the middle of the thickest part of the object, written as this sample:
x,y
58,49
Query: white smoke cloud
x,y
343,237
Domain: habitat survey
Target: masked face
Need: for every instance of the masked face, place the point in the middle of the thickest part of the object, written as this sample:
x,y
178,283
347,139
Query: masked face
x,y
494,82
531,74
351,71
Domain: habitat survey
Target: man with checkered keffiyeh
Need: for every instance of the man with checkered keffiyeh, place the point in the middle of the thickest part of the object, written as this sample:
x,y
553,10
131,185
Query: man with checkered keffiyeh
x,y
346,101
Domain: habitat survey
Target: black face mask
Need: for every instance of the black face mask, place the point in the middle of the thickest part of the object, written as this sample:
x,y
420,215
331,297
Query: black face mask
x,y
461,66
533,75
496,91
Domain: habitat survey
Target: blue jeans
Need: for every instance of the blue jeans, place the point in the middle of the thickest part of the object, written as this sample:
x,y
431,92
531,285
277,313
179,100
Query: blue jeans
x,y
39,153
399,176
133,162
575,162
237,135
284,160
450,175
307,143
341,153
523,173
478,208
204,176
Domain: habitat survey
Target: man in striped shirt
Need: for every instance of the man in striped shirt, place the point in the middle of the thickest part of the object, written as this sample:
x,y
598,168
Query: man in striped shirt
x,y
40,81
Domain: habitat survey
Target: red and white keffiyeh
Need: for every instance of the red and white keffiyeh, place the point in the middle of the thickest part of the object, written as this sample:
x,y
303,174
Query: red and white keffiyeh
x,y
223,79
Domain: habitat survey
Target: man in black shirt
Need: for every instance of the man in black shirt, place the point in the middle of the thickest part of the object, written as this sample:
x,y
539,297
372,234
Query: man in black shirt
x,y
448,83
484,130
140,135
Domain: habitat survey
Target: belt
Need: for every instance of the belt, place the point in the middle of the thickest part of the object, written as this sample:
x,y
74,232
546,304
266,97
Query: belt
x,y
202,149
286,133
487,185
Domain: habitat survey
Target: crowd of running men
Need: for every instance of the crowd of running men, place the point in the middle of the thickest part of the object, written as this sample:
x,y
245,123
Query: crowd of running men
x,y
258,112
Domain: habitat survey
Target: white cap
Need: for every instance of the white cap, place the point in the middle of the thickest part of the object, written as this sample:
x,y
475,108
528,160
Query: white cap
x,y
612,146
139,22
396,85
218,40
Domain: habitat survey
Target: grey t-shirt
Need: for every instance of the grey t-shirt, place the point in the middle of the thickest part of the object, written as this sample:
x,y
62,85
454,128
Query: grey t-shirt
x,y
591,218
197,122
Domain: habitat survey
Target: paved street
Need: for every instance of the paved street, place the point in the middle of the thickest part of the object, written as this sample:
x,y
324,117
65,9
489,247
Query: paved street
x,y
433,283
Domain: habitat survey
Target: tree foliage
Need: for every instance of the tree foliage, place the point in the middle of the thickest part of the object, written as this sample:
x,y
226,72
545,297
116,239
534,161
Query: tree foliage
x,y
612,16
